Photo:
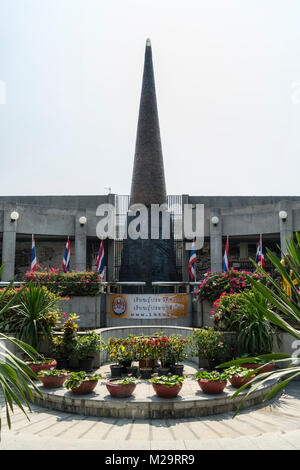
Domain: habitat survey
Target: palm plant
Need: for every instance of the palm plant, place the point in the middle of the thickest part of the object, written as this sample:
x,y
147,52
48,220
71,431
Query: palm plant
x,y
255,334
283,310
35,316
15,381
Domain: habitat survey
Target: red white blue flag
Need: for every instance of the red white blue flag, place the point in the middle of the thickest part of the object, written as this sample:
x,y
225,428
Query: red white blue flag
x,y
260,259
226,256
192,261
100,260
34,263
66,258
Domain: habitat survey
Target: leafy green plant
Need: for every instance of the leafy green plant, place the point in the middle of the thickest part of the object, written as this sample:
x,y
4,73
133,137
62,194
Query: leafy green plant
x,y
63,347
76,378
15,375
211,376
87,345
40,359
128,379
52,372
167,380
176,351
239,371
207,343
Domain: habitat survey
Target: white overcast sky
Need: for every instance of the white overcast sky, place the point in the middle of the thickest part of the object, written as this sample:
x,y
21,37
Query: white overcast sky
x,y
227,78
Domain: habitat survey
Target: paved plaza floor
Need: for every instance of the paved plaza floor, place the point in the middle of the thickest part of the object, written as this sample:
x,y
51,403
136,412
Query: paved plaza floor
x,y
275,425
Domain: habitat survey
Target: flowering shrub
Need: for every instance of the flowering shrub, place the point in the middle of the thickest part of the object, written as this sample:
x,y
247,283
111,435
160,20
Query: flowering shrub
x,y
67,284
136,348
227,311
232,282
64,346
207,343
177,349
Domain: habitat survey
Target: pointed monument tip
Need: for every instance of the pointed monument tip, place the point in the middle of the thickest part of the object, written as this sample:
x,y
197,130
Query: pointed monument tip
x,y
148,43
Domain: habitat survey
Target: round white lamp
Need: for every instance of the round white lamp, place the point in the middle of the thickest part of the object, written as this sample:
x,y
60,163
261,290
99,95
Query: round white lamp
x,y
82,220
14,216
215,220
283,215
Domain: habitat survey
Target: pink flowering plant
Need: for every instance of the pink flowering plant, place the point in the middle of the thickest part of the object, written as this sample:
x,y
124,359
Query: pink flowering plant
x,y
216,284
76,283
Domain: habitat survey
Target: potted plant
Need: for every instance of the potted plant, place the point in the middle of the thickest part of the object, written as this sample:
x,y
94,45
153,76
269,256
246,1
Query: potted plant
x,y
162,345
63,346
259,364
53,378
113,348
82,383
208,345
211,382
41,363
85,349
146,351
176,354
239,375
167,386
121,388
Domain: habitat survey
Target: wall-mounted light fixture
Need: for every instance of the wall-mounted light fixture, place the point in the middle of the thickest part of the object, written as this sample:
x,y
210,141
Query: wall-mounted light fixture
x,y
283,215
82,220
14,216
215,220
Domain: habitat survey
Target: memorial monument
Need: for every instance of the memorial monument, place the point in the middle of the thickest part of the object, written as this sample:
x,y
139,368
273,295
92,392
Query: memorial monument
x,y
149,259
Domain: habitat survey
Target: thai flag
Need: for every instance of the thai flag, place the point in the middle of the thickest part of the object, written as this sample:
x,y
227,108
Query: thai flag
x,y
66,258
260,259
226,257
192,261
34,263
100,260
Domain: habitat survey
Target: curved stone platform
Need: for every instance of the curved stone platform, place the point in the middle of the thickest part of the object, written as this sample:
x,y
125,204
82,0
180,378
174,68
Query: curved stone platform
x,y
144,404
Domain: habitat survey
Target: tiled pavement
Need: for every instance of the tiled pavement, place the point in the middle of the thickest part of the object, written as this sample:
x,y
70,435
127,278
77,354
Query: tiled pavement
x,y
272,426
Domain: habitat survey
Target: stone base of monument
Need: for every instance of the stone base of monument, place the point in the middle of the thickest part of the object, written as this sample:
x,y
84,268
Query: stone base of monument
x,y
145,404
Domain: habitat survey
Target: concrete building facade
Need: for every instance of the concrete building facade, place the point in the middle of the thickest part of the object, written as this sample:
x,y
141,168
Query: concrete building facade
x,y
53,218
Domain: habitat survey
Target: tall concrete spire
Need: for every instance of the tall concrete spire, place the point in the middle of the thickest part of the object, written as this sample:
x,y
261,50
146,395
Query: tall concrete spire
x,y
147,259
148,180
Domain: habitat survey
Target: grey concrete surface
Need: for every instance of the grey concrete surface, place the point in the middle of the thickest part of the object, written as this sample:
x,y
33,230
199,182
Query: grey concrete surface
x,y
275,426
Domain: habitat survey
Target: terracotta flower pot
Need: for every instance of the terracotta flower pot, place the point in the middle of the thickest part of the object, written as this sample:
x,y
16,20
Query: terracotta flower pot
x,y
53,381
212,387
120,391
237,381
45,366
266,368
167,392
85,387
